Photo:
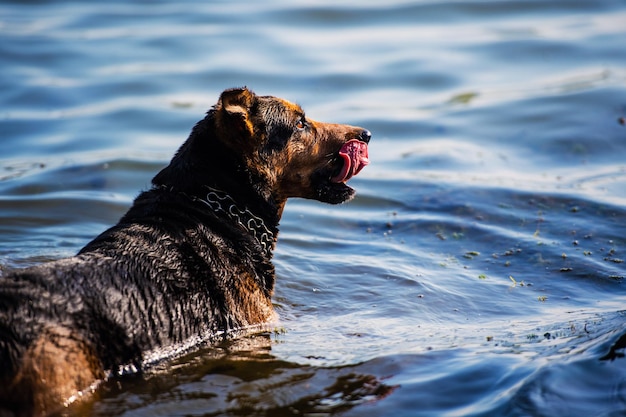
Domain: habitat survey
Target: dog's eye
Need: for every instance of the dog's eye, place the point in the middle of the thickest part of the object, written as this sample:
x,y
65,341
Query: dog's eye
x,y
301,124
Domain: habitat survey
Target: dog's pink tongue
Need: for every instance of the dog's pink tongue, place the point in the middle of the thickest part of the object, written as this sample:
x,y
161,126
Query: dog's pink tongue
x,y
355,158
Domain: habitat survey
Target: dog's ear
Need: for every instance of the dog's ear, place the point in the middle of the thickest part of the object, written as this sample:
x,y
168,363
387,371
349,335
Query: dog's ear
x,y
235,105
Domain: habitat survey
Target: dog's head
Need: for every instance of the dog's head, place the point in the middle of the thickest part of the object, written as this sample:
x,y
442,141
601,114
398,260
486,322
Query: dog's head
x,y
294,155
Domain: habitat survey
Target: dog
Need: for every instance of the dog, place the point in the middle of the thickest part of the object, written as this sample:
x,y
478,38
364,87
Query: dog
x,y
188,262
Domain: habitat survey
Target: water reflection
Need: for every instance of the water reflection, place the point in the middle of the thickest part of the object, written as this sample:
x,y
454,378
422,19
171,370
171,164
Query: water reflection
x,y
239,377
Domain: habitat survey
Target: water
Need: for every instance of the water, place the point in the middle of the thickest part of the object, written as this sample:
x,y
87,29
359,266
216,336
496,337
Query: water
x,y
479,272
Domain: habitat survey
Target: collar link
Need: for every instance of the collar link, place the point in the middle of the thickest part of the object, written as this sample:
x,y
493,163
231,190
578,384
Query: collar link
x,y
220,202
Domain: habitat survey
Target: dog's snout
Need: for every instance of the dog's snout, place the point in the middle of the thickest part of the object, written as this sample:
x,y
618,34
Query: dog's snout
x,y
365,136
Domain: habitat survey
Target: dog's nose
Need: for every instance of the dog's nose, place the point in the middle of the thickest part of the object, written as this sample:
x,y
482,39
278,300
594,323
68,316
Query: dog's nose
x,y
365,136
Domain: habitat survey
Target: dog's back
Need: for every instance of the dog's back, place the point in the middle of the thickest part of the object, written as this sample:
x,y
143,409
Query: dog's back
x,y
131,290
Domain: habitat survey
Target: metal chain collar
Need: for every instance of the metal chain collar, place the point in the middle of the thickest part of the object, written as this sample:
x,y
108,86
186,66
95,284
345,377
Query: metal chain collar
x,y
219,201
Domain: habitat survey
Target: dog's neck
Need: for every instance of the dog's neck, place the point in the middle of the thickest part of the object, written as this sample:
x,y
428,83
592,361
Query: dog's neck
x,y
204,161
223,204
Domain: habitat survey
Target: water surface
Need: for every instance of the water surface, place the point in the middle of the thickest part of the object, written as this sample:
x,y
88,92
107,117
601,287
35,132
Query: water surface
x,y
480,271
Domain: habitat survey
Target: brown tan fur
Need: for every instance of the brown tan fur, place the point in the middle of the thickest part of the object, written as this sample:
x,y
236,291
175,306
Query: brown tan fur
x,y
55,369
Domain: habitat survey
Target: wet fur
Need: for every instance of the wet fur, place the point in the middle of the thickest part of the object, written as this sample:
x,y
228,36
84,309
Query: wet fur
x,y
172,270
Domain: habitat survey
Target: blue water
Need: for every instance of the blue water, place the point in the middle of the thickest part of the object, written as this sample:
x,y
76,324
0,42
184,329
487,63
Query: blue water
x,y
480,271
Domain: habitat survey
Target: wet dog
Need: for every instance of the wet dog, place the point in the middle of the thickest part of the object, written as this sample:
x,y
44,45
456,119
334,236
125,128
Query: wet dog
x,y
189,261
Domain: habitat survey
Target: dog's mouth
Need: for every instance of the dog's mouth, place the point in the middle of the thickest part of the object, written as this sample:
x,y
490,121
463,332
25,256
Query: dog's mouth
x,y
353,157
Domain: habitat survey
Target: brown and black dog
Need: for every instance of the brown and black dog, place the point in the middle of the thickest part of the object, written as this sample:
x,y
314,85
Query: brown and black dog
x,y
190,260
